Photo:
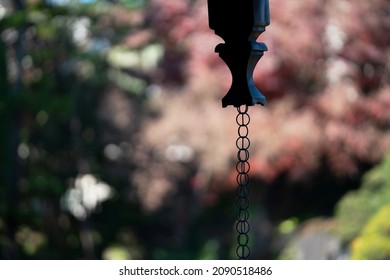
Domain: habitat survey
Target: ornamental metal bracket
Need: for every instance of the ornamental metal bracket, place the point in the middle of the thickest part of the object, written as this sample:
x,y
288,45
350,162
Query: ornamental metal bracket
x,y
239,24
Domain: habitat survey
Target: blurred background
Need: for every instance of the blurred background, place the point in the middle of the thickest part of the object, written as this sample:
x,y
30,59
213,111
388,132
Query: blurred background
x,y
114,144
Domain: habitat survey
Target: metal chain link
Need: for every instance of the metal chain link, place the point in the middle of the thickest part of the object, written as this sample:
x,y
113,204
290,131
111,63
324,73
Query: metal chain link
x,y
243,167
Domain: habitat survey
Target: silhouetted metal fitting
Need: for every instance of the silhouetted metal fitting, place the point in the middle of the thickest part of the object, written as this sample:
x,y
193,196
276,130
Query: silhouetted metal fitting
x,y
239,24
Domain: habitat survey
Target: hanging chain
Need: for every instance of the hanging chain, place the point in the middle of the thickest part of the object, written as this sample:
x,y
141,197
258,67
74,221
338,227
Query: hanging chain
x,y
243,167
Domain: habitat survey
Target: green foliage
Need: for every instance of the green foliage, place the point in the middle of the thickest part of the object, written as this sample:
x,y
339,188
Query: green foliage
x,y
357,207
374,242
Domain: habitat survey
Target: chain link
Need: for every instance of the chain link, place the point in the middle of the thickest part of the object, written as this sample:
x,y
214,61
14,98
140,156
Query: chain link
x,y
243,167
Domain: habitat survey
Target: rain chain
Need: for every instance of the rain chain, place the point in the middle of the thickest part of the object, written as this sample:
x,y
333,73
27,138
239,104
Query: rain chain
x,y
243,167
239,23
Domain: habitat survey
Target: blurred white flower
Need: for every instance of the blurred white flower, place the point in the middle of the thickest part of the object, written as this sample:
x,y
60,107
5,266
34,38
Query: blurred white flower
x,y
85,196
181,153
5,8
81,31
335,36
